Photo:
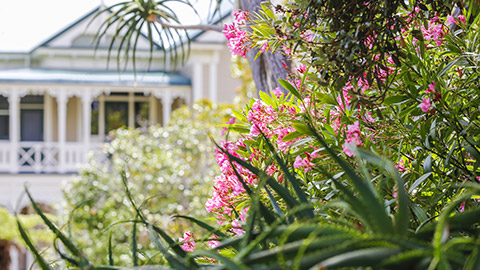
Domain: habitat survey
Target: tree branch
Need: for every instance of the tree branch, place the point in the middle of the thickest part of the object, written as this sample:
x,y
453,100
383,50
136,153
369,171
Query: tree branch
x,y
204,27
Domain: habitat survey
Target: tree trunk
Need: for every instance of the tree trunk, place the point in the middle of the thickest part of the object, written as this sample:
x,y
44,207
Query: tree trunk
x,y
4,254
268,68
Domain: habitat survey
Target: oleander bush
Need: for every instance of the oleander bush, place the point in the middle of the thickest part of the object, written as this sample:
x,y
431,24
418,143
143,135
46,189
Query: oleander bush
x,y
371,161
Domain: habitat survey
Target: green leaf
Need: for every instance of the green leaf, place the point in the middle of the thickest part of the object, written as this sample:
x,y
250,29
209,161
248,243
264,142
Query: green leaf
x,y
290,88
110,250
402,218
292,136
269,216
394,99
327,99
68,244
290,177
203,225
283,192
380,220
449,66
163,234
427,164
302,128
266,98
357,258
419,181
239,115
134,245
175,262
227,262
39,259
473,260
274,203
419,213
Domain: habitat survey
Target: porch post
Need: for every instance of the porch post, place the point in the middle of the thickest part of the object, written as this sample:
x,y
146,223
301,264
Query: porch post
x,y
62,129
86,118
213,73
101,117
131,110
152,105
166,107
13,100
197,83
47,130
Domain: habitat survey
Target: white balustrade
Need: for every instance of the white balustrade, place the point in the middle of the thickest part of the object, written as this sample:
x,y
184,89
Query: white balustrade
x,y
5,155
44,157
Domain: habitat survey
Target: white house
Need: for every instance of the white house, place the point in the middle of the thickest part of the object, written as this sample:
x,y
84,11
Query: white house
x,y
58,102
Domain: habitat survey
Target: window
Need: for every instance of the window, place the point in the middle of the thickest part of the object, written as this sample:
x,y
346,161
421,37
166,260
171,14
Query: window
x,y
4,119
31,118
119,109
95,114
116,115
141,114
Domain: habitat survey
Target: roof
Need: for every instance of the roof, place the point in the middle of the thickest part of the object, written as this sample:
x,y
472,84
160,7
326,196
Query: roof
x,y
87,19
84,17
92,78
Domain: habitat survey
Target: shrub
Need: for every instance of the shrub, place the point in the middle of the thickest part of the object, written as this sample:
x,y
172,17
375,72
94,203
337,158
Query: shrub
x,y
370,161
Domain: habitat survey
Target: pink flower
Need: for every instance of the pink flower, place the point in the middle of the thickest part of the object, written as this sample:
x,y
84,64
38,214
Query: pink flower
x,y
304,162
434,32
189,242
431,88
264,47
236,35
355,128
461,208
299,162
302,68
239,16
213,243
426,104
353,138
451,20
229,122
401,166
277,92
462,18
237,228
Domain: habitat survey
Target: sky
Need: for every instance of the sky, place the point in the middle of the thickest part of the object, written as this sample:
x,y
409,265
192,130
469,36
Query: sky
x,y
24,24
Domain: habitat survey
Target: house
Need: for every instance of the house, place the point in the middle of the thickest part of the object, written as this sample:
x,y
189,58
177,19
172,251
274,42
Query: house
x,y
58,102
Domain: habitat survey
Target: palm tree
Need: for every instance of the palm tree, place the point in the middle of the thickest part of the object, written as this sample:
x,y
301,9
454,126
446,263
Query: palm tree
x,y
160,23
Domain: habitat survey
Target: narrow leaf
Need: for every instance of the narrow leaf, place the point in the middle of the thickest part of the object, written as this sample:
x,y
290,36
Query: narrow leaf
x,y
41,262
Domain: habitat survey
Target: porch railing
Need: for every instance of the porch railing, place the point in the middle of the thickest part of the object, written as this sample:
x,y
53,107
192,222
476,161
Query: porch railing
x,y
43,157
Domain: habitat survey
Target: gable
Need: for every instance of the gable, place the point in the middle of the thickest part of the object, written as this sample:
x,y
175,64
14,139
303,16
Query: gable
x,y
80,34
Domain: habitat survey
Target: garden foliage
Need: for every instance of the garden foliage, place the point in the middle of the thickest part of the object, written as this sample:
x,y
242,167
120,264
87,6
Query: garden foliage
x,y
371,160
170,171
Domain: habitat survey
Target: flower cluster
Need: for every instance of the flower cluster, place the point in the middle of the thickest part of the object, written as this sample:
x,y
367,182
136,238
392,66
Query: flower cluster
x,y
236,34
353,138
435,31
188,241
427,102
227,187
